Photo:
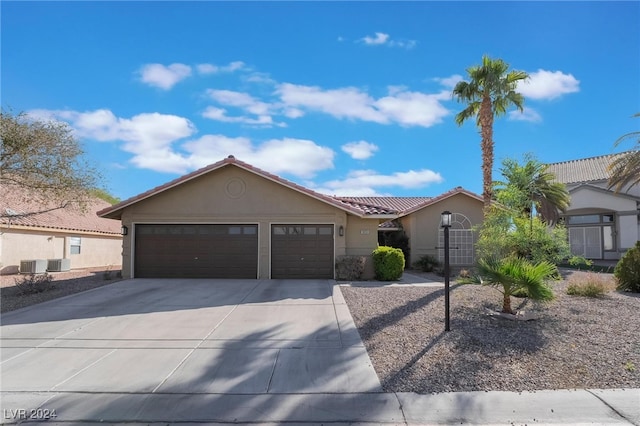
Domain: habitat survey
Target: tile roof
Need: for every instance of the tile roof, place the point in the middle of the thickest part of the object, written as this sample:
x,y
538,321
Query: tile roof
x,y
114,212
374,207
583,170
395,204
12,206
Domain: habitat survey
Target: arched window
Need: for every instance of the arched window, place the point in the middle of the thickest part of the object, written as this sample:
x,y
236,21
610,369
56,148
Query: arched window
x,y
461,247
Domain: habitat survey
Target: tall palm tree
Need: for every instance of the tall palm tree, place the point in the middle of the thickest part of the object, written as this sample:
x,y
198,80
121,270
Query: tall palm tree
x,y
534,187
490,91
625,168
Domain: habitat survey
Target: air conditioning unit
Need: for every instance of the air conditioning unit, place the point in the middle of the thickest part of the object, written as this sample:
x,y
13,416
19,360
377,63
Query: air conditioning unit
x,y
58,265
36,266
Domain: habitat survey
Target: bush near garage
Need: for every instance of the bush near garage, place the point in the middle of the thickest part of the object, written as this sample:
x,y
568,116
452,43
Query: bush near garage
x,y
627,271
350,268
388,263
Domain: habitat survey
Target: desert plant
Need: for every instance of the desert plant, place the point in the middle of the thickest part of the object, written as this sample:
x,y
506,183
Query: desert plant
x,y
627,271
350,268
514,273
388,263
589,284
32,283
427,263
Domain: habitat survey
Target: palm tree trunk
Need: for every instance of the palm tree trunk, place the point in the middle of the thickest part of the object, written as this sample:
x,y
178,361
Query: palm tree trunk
x,y
506,303
486,132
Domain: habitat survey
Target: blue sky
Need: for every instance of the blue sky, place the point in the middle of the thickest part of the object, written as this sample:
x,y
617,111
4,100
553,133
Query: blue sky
x,y
348,98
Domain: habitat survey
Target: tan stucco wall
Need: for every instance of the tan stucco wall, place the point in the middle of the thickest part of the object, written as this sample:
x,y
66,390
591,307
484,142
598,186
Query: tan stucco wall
x,y
362,239
586,201
234,195
24,244
422,226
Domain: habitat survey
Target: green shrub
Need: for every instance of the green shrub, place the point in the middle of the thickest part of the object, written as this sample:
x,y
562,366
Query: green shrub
x,y
32,283
627,270
397,239
427,263
388,263
589,284
350,268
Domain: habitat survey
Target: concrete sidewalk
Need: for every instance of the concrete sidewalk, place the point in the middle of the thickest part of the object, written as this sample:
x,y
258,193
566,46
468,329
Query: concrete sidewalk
x,y
570,407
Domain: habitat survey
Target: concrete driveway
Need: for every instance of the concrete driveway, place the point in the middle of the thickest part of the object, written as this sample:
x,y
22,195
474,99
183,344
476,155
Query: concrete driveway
x,y
110,353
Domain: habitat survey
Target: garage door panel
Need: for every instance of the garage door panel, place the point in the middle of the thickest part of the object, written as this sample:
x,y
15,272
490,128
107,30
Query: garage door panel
x,y
302,251
196,251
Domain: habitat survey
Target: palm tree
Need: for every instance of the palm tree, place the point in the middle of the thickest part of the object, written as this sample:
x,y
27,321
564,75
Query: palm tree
x,y
490,91
625,168
534,187
515,274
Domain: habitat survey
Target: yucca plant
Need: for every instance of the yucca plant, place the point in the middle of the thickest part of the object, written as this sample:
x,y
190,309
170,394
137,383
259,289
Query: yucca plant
x,y
512,274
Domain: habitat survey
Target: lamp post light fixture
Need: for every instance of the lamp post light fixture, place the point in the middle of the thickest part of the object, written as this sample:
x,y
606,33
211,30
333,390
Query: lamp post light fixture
x,y
446,224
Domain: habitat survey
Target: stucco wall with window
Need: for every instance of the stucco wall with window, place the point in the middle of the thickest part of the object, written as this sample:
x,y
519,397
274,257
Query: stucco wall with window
x,y
21,243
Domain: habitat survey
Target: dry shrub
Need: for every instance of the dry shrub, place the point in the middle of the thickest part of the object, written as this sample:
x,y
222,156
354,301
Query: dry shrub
x,y
590,284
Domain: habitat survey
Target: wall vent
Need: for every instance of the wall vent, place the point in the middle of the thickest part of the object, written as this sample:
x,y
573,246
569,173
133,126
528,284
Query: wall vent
x,y
36,266
58,265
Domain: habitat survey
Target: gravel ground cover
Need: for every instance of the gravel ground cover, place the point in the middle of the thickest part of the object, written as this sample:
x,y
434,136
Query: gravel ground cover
x,y
63,284
575,342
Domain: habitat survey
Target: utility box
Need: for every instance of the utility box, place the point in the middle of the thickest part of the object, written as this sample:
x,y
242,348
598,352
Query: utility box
x,y
35,266
58,265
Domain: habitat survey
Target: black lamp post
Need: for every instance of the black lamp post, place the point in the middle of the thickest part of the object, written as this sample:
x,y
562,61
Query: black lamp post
x,y
446,224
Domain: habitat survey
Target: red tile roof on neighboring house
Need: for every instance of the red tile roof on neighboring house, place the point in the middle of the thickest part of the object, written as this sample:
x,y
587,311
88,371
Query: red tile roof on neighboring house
x,y
13,208
582,170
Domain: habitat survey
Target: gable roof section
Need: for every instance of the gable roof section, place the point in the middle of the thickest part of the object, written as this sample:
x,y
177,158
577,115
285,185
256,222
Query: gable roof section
x,y
586,186
455,191
355,208
590,169
13,208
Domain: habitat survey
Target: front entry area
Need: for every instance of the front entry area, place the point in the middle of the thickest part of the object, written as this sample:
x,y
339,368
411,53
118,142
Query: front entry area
x,y
196,251
302,251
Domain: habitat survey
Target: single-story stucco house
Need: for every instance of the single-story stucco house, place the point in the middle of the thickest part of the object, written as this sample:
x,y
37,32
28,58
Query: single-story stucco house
x,y
602,224
233,220
59,239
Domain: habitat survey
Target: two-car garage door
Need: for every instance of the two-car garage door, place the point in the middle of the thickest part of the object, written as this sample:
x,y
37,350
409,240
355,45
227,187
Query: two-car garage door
x,y
196,251
231,251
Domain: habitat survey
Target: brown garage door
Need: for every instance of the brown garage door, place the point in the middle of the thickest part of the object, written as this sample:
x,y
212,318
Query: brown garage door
x,y
196,251
302,251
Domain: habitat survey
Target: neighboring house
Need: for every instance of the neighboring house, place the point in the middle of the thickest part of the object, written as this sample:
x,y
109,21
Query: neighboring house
x,y
82,238
233,220
602,224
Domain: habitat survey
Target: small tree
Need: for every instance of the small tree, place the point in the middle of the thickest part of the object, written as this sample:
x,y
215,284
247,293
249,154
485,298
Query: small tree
x,y
515,274
45,161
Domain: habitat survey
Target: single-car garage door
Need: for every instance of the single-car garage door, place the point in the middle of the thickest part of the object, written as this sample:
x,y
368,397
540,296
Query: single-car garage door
x,y
196,251
302,251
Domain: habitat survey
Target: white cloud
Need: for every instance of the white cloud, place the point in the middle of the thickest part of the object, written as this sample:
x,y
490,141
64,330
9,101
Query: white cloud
x,y
152,138
365,182
544,84
148,136
380,39
360,150
263,111
403,107
450,82
164,77
240,100
220,114
528,114
299,157
215,69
